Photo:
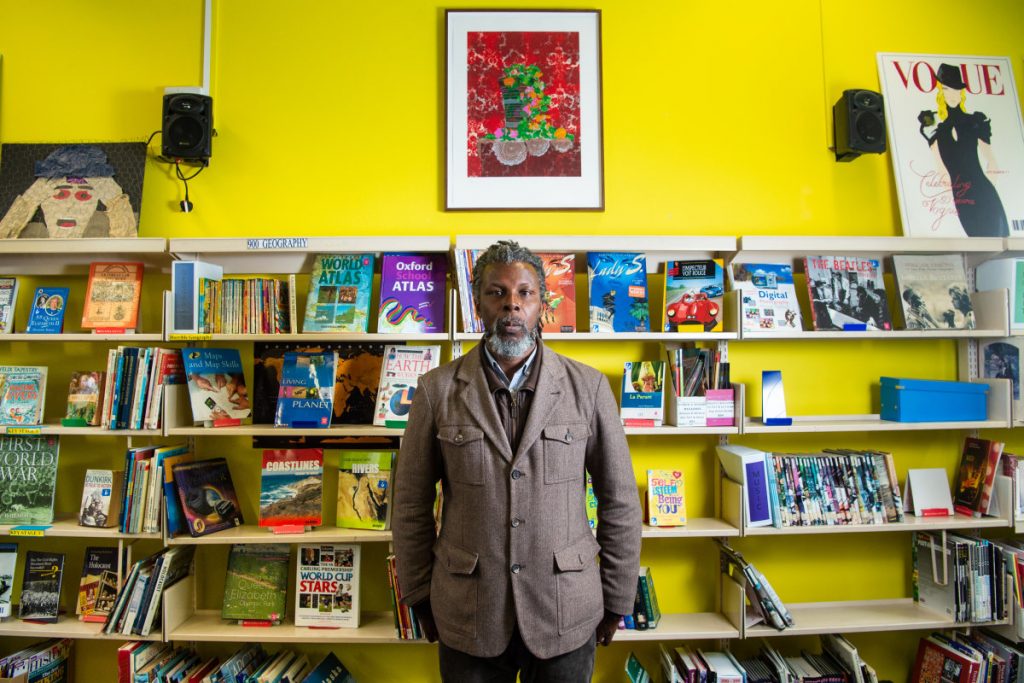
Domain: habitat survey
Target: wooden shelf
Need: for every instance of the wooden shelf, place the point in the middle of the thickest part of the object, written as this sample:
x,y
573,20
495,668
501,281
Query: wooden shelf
x,y
66,526
73,256
67,627
861,423
873,334
697,626
83,337
700,527
619,336
792,249
60,430
271,430
859,616
669,430
251,533
207,626
910,523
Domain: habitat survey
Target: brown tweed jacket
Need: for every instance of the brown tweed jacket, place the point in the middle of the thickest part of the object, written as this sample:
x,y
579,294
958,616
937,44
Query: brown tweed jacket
x,y
515,547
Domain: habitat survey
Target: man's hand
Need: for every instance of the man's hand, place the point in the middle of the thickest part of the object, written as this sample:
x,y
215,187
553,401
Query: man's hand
x,y
425,614
607,628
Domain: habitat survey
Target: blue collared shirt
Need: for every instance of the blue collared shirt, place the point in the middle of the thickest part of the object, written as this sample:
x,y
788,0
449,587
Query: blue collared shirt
x,y
520,375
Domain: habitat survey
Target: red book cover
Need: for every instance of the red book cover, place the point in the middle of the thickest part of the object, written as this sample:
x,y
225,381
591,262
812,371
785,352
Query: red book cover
x,y
939,663
559,313
124,661
979,464
112,295
291,487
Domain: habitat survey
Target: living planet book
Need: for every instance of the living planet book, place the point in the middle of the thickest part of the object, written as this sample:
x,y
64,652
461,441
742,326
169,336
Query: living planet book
x,y
256,582
412,293
22,394
339,293
112,295
618,292
216,385
933,291
207,496
327,586
292,487
47,313
559,312
847,291
399,375
40,586
306,391
693,295
364,489
768,300
28,478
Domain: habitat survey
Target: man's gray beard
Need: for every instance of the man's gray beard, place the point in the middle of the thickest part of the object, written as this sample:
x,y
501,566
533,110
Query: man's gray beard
x,y
509,349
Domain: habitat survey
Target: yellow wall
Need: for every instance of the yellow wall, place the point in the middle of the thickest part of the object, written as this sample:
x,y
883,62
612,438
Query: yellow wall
x,y
716,118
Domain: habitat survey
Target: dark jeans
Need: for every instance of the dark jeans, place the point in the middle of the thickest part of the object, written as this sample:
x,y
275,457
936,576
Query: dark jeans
x,y
572,667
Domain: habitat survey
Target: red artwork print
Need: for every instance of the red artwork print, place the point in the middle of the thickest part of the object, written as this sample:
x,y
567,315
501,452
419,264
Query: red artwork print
x,y
523,104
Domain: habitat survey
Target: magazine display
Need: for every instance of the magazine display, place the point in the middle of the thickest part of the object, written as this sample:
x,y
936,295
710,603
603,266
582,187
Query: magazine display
x,y
327,586
933,291
847,290
957,144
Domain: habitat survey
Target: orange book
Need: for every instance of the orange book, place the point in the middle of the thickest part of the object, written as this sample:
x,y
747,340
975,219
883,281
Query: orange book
x,y
112,295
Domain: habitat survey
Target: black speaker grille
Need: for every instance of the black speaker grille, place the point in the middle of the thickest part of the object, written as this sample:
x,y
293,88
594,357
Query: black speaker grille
x,y
870,128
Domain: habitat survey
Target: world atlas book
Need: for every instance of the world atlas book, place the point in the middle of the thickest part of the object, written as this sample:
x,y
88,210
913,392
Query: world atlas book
x,y
292,487
618,292
327,586
339,293
412,293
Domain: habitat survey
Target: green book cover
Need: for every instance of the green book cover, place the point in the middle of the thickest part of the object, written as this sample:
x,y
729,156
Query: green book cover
x,y
339,293
28,478
257,582
364,489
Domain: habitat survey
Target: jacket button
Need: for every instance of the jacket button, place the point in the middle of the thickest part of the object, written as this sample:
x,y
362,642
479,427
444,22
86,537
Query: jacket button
x,y
458,437
516,474
568,437
516,568
516,522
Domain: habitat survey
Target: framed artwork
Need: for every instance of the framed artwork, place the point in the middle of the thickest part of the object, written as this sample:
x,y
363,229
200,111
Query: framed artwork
x,y
523,94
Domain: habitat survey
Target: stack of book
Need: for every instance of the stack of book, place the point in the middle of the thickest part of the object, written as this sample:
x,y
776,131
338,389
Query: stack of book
x,y
251,305
963,577
49,661
135,378
407,626
137,608
762,597
646,612
959,657
162,662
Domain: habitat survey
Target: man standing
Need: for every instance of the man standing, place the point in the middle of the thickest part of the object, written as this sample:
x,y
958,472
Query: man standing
x,y
512,582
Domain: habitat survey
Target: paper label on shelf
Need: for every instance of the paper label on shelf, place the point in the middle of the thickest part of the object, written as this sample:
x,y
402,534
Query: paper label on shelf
x,y
189,337
24,430
691,411
29,530
278,243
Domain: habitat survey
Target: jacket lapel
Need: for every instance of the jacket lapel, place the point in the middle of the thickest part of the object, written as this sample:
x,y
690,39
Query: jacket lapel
x,y
545,400
477,403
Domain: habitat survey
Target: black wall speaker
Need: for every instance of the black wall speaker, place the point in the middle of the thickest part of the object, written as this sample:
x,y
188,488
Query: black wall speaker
x,y
187,126
859,119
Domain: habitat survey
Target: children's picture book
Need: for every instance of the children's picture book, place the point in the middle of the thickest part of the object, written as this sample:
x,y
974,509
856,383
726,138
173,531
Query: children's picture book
x,y
30,478
665,501
975,478
85,394
327,586
112,295
292,487
8,302
559,312
306,390
97,566
399,375
642,403
8,563
693,295
768,300
364,489
412,293
216,385
207,496
845,291
40,586
339,293
329,670
618,292
101,498
47,313
22,394
933,291
256,582
956,142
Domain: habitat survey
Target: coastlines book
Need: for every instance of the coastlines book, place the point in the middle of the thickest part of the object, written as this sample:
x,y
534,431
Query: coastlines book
x,y
292,487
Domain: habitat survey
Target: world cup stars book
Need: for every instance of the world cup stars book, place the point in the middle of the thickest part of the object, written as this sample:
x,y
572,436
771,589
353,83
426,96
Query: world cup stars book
x,y
618,292
339,293
956,142
112,296
28,478
306,390
847,291
327,586
216,385
399,375
292,487
364,489
22,394
412,293
256,583
768,300
207,496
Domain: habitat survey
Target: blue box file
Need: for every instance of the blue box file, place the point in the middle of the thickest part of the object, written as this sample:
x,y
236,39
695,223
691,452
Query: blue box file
x,y
924,400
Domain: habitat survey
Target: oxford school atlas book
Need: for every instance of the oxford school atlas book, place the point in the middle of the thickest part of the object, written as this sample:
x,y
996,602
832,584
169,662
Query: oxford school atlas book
x,y
40,586
364,489
933,291
8,301
216,385
22,394
28,478
399,375
693,295
412,293
618,292
768,300
559,312
339,293
256,582
957,144
306,391
207,496
47,313
327,586
292,487
847,290
112,295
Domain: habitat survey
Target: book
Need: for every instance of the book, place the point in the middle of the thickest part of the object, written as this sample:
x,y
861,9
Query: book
x,y
559,312
101,498
207,496
112,295
47,313
8,303
956,142
412,293
364,489
256,582
846,290
464,262
749,467
665,499
1008,274
979,463
618,292
635,671
767,295
693,295
329,670
306,393
939,662
399,375
642,402
1001,359
186,278
652,611
591,502
292,487
327,586
216,385
8,564
933,291
40,586
22,394
97,563
339,293
85,395
28,478
166,457
170,567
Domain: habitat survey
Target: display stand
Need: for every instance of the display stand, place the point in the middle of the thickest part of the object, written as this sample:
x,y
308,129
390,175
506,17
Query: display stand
x,y
74,422
289,529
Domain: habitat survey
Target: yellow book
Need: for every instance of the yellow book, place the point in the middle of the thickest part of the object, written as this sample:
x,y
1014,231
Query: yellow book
x,y
666,504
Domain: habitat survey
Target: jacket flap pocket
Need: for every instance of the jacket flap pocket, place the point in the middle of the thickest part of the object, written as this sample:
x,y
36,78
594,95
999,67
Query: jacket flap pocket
x,y
567,433
459,435
455,559
578,556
